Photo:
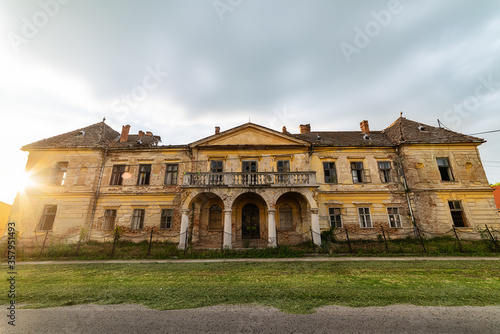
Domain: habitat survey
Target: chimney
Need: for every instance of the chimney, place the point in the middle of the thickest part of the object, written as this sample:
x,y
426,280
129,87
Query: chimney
x,y
364,127
124,135
284,129
305,128
217,130
141,133
149,133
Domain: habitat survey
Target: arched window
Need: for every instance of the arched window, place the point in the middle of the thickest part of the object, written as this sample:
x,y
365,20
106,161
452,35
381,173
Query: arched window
x,y
286,217
215,217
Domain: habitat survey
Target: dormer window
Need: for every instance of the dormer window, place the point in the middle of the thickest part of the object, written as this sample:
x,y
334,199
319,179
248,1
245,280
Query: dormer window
x,y
81,134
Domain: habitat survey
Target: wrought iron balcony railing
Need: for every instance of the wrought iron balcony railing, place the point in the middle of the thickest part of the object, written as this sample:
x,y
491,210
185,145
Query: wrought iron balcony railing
x,y
259,179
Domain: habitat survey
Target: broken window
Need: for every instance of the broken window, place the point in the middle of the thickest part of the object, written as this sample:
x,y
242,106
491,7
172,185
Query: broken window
x,y
385,171
60,173
444,169
357,170
171,173
335,217
117,175
109,219
394,217
330,172
283,166
144,174
286,217
249,167
457,213
215,217
365,219
138,219
216,166
48,217
166,218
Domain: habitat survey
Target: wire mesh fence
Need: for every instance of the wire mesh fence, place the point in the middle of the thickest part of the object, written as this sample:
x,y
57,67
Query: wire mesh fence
x,y
157,243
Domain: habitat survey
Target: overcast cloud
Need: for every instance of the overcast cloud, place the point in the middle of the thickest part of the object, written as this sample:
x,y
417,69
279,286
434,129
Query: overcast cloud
x,y
188,65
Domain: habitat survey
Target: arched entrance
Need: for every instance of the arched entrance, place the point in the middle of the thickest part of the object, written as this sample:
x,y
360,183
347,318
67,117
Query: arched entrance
x,y
250,221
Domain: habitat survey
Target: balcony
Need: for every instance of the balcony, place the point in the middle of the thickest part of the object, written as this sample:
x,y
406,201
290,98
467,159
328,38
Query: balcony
x,y
262,179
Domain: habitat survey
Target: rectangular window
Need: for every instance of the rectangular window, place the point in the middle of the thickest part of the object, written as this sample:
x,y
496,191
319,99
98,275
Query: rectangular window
x,y
166,218
335,217
357,172
48,217
394,218
330,172
117,175
144,174
216,166
60,173
138,219
457,214
444,169
249,167
109,219
171,173
283,166
385,171
365,219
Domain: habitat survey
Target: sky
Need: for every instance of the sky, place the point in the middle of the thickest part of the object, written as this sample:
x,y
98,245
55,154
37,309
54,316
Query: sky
x,y
179,68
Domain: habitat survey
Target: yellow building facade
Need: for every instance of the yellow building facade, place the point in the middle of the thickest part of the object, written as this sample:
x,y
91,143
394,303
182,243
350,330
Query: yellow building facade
x,y
254,186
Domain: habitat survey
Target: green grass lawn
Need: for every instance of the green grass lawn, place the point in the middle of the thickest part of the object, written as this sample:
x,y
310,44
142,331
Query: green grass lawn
x,y
296,287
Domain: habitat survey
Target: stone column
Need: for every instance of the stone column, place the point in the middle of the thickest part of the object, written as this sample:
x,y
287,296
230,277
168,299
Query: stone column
x,y
315,227
271,228
227,229
184,229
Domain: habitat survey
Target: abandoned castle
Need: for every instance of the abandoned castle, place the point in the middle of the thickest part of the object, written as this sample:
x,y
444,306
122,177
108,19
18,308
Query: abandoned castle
x,y
251,185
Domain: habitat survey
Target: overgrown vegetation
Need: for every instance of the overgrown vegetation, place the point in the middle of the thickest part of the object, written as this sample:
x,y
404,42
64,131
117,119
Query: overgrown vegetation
x,y
296,287
123,249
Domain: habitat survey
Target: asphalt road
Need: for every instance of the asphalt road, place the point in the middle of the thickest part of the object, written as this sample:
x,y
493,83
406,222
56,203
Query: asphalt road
x,y
256,319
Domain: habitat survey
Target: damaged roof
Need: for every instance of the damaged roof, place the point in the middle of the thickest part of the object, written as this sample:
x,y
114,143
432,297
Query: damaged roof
x,y
405,131
94,135
345,138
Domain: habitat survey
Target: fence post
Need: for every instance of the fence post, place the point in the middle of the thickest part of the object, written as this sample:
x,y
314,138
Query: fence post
x,y
114,243
44,239
150,241
459,243
492,238
348,240
421,239
385,241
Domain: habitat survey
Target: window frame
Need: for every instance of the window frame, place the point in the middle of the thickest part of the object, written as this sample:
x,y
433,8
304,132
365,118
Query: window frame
x,y
60,173
45,215
362,217
117,175
280,211
454,210
215,216
171,174
396,215
285,166
107,217
216,166
335,214
137,220
334,179
445,170
385,173
166,219
358,174
144,176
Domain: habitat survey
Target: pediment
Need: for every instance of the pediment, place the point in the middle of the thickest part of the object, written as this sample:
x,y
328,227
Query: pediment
x,y
249,135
